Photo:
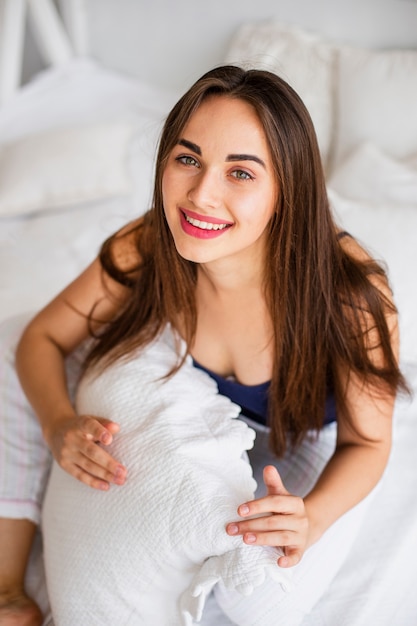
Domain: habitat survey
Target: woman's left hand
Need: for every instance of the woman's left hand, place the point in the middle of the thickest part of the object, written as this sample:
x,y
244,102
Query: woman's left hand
x,y
284,522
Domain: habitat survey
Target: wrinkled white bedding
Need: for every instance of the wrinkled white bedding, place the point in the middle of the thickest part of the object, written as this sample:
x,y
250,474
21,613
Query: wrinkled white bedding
x,y
41,252
374,196
187,476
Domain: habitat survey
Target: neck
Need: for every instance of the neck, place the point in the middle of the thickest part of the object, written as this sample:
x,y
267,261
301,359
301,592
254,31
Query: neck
x,y
231,277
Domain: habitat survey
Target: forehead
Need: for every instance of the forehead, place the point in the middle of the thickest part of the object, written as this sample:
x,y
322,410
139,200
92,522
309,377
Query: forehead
x,y
226,123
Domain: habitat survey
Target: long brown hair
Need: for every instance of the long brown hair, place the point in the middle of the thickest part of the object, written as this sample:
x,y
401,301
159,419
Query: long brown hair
x,y
318,296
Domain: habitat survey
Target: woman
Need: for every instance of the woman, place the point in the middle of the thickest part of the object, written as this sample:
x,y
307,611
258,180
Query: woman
x,y
241,256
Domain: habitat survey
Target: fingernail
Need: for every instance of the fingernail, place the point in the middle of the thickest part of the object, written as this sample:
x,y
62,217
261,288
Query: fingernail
x,y
106,437
119,471
244,509
249,538
232,529
120,475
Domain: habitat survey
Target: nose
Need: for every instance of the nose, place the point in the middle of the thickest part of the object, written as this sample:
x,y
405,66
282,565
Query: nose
x,y
205,190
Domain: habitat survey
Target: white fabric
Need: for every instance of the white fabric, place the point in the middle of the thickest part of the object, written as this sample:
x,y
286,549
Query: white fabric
x,y
131,553
388,231
302,58
370,175
24,467
55,246
57,168
41,254
374,197
82,95
376,92
269,605
376,582
81,91
152,551
24,458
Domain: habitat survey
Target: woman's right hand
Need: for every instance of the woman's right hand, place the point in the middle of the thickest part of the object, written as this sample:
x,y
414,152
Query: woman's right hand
x,y
76,444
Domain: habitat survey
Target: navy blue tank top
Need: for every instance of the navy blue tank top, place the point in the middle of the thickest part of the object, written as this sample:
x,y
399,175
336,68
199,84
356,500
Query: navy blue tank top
x,y
253,399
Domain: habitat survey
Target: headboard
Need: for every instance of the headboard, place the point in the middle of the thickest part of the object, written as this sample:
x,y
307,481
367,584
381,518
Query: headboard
x,y
172,43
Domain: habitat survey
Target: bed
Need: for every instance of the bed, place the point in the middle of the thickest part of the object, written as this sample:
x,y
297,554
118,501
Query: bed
x,y
77,145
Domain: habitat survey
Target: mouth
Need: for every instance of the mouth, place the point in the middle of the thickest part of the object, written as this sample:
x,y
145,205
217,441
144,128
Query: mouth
x,y
207,228
205,225
204,222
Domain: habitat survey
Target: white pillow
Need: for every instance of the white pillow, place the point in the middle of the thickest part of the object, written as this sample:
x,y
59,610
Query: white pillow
x,y
81,92
303,59
369,174
60,167
377,101
130,555
389,233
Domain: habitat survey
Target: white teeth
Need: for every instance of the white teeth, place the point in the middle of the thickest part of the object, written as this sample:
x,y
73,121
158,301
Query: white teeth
x,y
204,225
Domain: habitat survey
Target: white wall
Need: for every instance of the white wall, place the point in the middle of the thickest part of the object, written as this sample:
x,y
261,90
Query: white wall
x,y
172,42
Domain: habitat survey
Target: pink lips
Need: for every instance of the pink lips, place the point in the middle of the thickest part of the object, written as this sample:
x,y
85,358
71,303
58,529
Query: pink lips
x,y
202,233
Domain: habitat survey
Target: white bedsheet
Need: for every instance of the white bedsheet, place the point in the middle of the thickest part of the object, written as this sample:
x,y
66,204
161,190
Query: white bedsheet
x,y
376,584
40,253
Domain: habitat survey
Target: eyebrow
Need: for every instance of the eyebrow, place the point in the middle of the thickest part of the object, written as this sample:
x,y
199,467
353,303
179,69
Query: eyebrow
x,y
245,157
190,145
230,157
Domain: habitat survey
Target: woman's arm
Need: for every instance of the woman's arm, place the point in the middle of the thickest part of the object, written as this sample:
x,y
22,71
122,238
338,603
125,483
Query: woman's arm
x,y
361,454
358,462
356,466
363,443
54,333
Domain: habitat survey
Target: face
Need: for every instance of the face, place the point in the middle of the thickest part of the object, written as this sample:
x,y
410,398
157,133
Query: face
x,y
218,186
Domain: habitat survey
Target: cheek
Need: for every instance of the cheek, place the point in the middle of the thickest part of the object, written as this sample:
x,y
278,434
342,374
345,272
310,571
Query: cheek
x,y
168,195
171,187
165,187
257,213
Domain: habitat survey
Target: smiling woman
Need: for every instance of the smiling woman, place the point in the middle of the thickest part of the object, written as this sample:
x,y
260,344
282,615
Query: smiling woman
x,y
217,173
241,264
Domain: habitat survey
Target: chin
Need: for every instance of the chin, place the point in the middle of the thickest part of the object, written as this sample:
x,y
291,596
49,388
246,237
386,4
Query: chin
x,y
193,256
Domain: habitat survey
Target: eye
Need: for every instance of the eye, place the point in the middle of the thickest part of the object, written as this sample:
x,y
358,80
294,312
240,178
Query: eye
x,y
187,160
242,175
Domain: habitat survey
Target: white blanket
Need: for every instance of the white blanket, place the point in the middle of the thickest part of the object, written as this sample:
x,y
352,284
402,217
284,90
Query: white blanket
x,y
40,254
131,554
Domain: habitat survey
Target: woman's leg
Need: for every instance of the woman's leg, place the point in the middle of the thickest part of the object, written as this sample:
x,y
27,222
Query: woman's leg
x,y
16,608
24,465
24,468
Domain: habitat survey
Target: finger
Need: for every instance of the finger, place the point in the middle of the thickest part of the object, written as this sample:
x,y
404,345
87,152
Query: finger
x,y
280,504
94,430
99,463
269,523
88,479
90,457
273,481
91,473
291,557
112,427
282,539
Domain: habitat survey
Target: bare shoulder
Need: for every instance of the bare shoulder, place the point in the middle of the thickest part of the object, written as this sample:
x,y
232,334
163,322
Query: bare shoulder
x,y
352,247
123,249
382,293
378,278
